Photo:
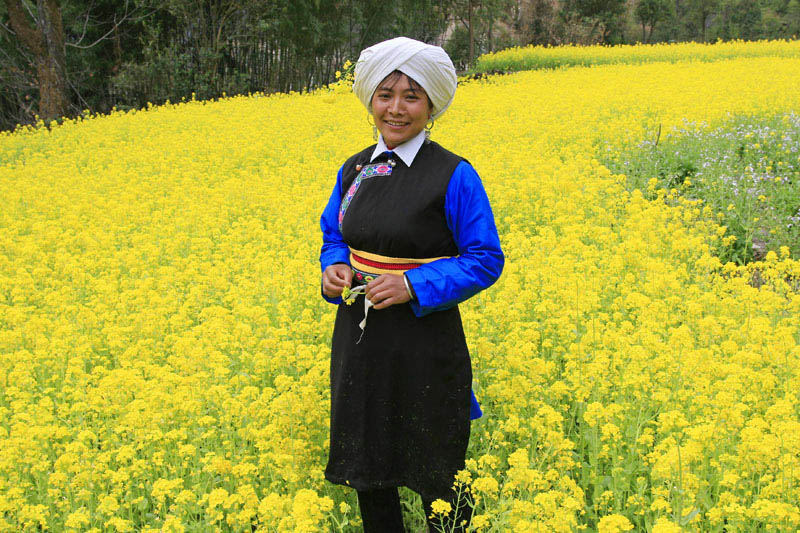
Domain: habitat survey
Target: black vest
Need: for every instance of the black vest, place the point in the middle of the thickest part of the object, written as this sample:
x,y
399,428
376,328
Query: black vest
x,y
402,214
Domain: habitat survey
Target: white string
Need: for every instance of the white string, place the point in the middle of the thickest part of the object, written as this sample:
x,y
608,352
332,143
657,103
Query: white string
x,y
363,323
349,296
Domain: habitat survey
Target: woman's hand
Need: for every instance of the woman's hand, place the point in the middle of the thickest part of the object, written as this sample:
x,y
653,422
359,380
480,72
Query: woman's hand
x,y
335,278
386,290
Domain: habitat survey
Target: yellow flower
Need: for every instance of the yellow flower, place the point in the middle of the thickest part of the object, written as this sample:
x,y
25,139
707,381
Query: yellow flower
x,y
614,523
173,524
440,506
78,519
664,525
480,522
164,346
486,484
463,476
120,525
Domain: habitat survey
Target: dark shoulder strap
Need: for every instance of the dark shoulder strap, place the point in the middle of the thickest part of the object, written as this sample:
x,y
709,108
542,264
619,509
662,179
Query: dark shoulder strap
x,y
454,159
438,162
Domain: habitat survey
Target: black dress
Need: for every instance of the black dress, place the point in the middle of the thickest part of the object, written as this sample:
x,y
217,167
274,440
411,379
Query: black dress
x,y
400,394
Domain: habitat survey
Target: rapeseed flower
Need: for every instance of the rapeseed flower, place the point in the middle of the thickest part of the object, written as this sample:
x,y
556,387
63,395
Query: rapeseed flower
x,y
160,319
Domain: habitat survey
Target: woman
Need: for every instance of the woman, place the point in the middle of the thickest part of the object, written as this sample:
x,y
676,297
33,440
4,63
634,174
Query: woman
x,y
409,228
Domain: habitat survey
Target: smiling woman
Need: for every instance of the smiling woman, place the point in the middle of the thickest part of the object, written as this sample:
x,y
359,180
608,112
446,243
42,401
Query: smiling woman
x,y
409,229
400,108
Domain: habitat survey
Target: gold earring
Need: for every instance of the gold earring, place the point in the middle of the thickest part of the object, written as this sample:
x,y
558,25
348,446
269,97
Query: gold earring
x,y
428,128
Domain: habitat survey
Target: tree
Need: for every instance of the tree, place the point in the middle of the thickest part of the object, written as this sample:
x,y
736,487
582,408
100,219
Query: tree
x,y
793,18
603,15
537,22
478,15
745,18
649,13
41,33
702,11
59,57
470,26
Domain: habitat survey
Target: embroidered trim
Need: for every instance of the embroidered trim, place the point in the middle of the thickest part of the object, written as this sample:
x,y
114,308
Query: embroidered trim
x,y
368,171
362,278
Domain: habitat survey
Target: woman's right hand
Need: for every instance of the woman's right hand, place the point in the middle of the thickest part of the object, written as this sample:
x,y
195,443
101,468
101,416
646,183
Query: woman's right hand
x,y
335,278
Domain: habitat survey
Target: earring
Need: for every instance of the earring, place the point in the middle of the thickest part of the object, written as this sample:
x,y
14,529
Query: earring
x,y
374,128
428,128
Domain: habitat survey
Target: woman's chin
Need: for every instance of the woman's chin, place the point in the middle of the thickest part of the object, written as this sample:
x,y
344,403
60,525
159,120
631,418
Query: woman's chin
x,y
395,138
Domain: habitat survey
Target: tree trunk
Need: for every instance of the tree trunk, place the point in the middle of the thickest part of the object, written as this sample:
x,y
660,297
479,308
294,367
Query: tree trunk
x,y
490,23
471,36
45,41
703,24
595,26
605,31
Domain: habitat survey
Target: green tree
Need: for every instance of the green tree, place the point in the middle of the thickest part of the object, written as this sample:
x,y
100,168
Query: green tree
x,y
649,13
701,11
793,19
478,18
605,16
773,26
738,19
537,23
746,18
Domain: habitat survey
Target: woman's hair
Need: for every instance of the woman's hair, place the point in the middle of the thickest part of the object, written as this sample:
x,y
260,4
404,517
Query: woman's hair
x,y
395,76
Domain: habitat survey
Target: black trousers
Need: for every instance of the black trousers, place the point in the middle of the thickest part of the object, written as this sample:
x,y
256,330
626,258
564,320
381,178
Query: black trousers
x,y
381,513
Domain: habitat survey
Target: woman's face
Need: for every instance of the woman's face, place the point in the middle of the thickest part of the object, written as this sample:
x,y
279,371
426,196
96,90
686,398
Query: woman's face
x,y
400,110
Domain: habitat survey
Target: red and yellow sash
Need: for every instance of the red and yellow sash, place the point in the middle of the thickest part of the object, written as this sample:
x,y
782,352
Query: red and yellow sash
x,y
376,264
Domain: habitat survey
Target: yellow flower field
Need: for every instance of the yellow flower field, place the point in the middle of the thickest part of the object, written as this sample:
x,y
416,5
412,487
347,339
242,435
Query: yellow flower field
x,y
538,56
164,346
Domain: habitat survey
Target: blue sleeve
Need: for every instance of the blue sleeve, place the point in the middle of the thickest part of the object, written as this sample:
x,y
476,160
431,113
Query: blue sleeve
x,y
446,282
334,250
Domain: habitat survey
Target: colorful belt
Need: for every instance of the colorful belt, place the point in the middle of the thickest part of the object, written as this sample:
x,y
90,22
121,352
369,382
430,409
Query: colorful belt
x,y
368,266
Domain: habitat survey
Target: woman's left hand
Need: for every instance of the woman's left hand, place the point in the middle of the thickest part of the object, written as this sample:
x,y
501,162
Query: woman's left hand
x,y
386,290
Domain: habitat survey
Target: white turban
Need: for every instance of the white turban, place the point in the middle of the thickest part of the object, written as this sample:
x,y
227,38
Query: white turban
x,y
428,65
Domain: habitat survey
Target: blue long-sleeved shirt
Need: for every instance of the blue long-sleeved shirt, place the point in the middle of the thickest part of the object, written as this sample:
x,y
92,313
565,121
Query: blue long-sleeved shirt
x,y
445,282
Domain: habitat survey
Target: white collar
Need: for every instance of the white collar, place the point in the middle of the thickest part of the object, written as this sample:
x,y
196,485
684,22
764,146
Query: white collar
x,y
406,151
